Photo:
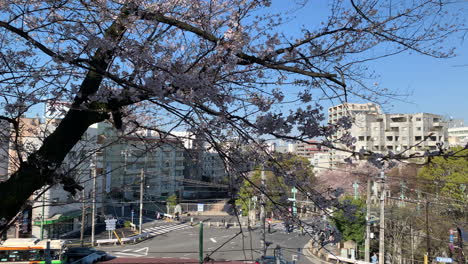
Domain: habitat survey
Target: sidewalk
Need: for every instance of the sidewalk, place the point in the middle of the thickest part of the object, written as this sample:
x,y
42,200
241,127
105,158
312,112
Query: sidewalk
x,y
311,254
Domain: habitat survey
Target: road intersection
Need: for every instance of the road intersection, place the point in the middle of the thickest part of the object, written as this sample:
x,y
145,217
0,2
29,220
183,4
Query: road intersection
x,y
180,240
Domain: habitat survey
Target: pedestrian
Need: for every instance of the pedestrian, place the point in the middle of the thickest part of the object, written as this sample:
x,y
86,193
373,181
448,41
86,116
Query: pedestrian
x,y
374,258
269,227
158,216
302,230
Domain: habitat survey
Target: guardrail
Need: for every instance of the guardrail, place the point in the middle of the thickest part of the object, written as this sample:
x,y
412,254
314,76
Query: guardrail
x,y
125,239
339,259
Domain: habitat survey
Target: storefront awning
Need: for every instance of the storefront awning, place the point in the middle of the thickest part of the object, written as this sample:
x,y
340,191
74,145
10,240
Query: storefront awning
x,y
57,218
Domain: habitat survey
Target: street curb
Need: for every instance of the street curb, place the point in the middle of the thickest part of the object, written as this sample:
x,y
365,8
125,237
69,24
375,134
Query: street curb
x,y
312,257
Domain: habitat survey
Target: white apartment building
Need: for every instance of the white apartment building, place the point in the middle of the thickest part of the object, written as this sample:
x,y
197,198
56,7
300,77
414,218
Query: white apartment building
x,y
379,132
57,213
458,136
282,146
320,161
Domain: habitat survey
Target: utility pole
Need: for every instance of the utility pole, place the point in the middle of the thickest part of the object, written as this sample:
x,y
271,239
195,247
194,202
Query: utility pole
x,y
262,212
460,246
382,221
200,243
43,212
368,203
356,190
83,214
294,209
428,239
142,187
48,259
93,208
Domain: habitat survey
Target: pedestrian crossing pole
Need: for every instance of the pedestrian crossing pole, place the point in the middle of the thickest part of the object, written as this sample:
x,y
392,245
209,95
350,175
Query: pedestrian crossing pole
x,y
368,205
262,212
382,220
142,184
200,243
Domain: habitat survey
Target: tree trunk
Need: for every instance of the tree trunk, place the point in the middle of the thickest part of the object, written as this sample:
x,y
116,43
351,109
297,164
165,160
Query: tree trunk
x,y
39,169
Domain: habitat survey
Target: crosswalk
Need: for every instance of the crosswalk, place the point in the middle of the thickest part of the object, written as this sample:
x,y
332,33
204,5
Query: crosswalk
x,y
281,227
163,229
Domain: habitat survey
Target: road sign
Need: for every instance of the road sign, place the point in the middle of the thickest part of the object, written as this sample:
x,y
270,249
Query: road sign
x,y
294,190
444,260
291,199
200,207
110,224
451,238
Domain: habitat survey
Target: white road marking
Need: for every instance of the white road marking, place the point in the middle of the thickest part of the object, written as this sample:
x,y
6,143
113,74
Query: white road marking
x,y
212,239
128,254
158,230
140,252
145,249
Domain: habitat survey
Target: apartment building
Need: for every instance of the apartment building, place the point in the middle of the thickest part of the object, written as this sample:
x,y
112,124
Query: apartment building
x,y
349,109
379,132
57,213
458,133
50,212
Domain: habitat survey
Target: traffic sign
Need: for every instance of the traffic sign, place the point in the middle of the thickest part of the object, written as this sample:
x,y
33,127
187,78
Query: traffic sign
x,y
110,224
444,260
200,207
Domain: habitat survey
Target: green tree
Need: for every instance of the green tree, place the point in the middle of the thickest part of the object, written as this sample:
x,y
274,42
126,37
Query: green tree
x,y
353,226
172,200
285,172
447,175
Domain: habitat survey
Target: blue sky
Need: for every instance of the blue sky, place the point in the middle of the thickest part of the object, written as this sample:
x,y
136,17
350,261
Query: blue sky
x,y
437,86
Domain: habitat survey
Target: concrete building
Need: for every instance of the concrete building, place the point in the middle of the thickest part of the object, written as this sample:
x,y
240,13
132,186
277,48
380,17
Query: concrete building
x,y
458,136
307,150
383,133
320,161
126,158
50,212
282,146
57,213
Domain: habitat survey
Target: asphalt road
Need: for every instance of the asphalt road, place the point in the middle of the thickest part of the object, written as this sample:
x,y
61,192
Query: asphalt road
x,y
218,242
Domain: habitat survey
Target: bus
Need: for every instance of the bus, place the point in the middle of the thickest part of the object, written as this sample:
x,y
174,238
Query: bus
x,y
32,250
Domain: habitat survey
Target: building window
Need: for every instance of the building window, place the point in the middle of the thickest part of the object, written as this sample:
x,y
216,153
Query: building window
x,y
418,129
418,138
361,138
418,119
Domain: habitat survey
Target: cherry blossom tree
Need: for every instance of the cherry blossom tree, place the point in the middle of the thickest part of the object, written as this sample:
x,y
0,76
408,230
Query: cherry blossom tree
x,y
222,69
